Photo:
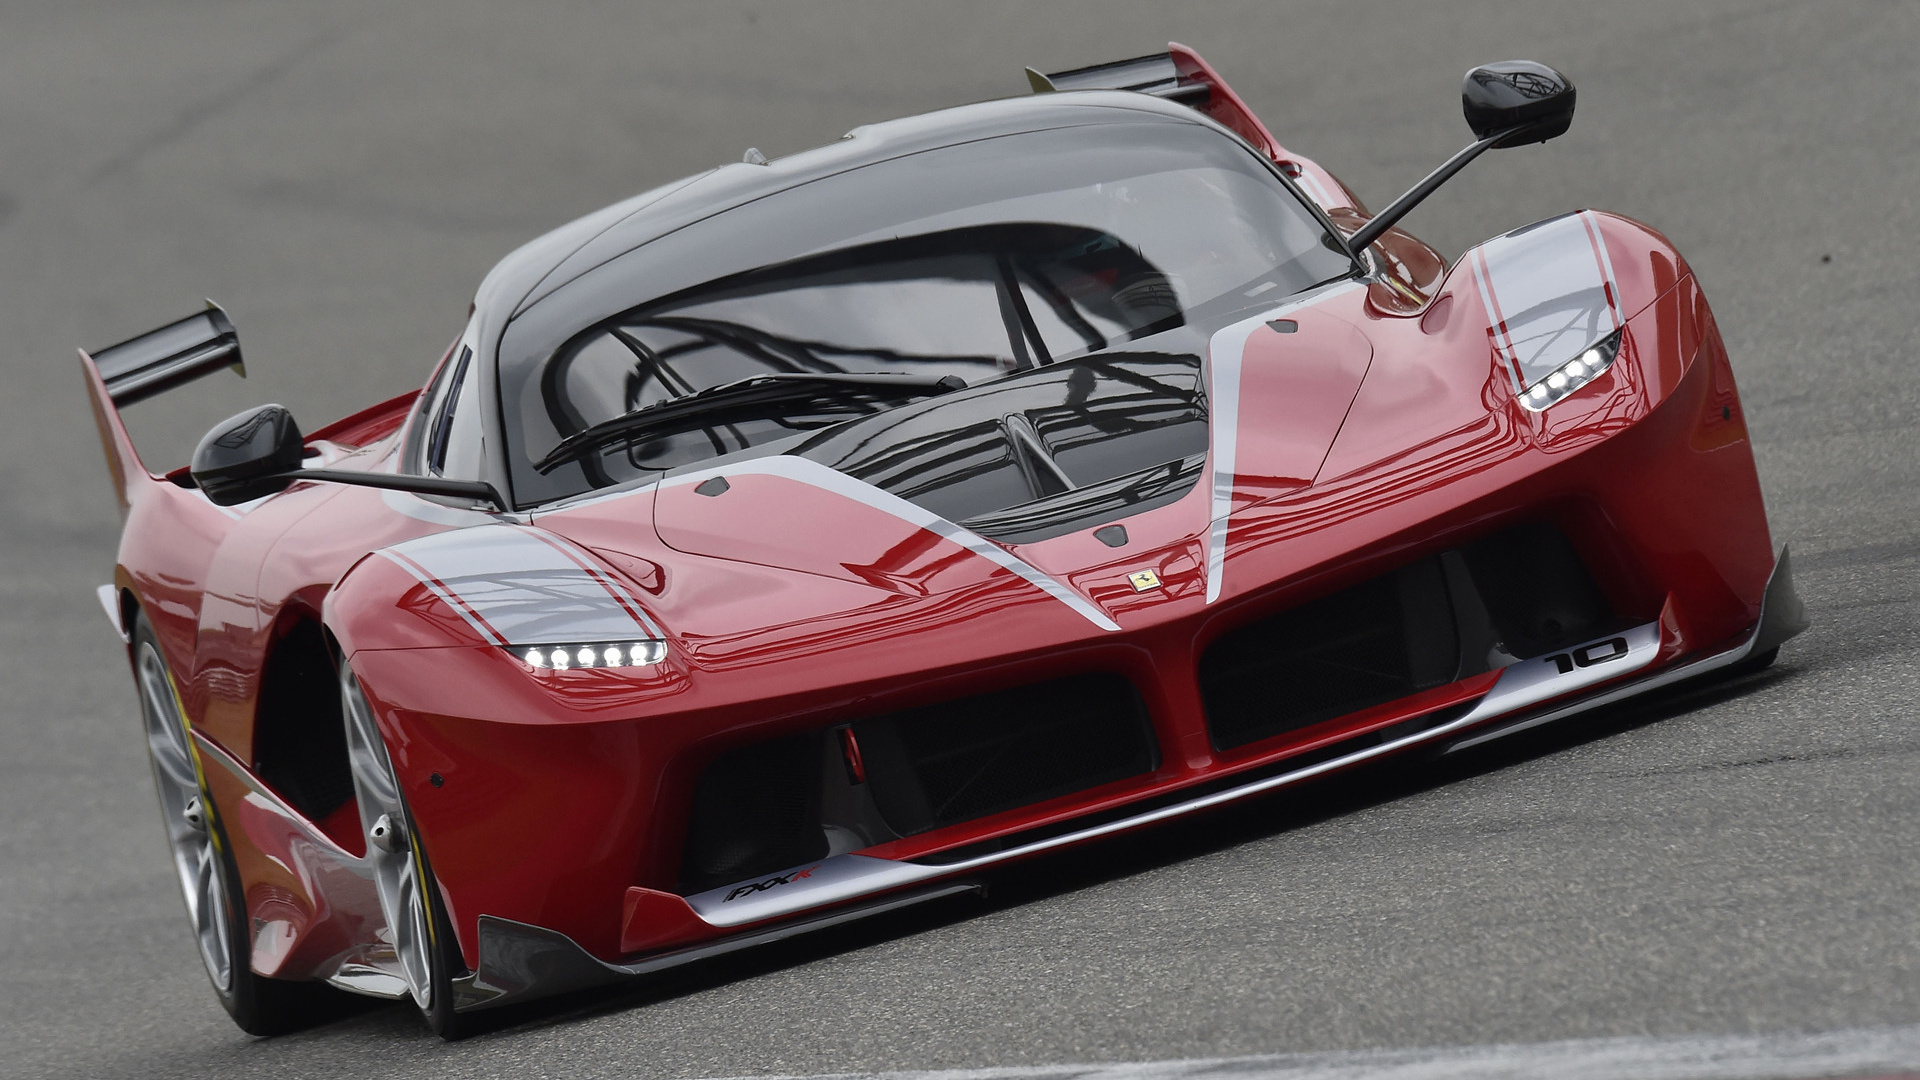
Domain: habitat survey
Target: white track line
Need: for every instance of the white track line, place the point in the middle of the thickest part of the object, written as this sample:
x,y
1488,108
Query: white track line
x,y
1859,1053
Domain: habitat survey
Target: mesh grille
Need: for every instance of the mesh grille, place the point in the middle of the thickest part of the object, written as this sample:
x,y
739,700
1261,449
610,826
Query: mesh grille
x,y
1365,646
1518,593
757,809
959,760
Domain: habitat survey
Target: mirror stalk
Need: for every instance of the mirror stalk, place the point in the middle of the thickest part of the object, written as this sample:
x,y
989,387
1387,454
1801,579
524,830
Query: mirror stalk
x,y
1386,219
258,453
477,490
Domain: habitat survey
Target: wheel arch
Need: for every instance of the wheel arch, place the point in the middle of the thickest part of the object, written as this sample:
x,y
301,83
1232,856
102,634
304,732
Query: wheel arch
x,y
299,743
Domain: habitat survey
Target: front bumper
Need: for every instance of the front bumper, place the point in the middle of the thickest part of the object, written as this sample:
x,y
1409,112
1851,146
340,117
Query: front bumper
x,y
520,962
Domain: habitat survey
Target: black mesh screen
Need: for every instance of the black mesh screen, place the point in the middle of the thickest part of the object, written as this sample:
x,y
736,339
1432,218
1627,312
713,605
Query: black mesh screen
x,y
1519,593
756,810
1537,591
958,760
1364,646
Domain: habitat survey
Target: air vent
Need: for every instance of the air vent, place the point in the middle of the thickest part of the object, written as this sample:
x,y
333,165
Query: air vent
x,y
959,760
1519,593
774,805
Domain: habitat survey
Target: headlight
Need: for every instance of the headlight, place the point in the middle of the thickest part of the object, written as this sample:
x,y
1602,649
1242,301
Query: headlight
x,y
593,654
1573,374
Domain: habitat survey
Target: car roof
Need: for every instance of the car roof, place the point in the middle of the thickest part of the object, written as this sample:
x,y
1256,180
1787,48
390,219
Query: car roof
x,y
547,264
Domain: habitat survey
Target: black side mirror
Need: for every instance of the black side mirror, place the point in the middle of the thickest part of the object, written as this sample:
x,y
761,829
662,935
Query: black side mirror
x,y
1511,103
248,456
1517,94
258,453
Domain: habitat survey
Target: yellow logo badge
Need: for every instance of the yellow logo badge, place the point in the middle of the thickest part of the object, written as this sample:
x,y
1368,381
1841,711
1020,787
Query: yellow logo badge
x,y
1144,580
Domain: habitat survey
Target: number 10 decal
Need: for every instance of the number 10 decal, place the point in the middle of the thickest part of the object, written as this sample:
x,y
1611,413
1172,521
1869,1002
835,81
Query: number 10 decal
x,y
1598,652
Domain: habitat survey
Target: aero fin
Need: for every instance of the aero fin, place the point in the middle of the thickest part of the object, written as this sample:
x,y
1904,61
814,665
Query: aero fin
x,y
122,461
177,353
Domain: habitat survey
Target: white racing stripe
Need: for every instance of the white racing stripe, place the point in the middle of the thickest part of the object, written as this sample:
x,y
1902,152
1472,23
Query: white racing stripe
x,y
517,585
1549,292
1883,1051
1226,355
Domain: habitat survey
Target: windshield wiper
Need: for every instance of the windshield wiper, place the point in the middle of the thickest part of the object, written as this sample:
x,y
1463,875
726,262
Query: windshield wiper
x,y
744,399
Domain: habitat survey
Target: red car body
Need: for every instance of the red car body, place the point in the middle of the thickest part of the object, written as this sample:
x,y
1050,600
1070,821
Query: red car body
x,y
1355,430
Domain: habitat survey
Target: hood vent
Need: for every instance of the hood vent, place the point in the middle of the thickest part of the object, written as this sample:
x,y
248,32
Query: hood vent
x,y
1061,448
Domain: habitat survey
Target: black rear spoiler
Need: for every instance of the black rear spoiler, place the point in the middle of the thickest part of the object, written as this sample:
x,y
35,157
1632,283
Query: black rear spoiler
x,y
1156,74
177,353
153,363
1179,75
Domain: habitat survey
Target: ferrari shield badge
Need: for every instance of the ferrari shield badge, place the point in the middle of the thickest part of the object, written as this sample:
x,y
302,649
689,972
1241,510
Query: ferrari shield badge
x,y
1144,580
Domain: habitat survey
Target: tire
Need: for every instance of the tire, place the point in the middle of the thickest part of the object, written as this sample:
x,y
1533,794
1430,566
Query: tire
x,y
204,865
425,948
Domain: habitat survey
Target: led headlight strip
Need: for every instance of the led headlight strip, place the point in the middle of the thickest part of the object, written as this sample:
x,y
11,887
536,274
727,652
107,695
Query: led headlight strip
x,y
597,654
1573,374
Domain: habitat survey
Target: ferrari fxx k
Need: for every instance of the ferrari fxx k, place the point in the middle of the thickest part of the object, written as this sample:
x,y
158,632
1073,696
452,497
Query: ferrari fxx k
x,y
799,540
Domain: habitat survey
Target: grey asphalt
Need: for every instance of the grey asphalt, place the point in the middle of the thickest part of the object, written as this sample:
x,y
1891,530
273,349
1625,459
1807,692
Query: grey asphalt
x,y
1738,859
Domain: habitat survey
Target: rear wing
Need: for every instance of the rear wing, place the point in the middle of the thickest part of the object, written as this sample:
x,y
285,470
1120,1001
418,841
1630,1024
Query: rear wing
x,y
177,353
1156,74
1180,75
153,363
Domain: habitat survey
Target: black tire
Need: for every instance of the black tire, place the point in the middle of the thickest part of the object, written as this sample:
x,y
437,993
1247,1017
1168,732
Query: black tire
x,y
447,963
259,1005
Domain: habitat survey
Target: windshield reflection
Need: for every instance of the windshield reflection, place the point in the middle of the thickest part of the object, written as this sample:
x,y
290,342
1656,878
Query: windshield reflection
x,y
1056,259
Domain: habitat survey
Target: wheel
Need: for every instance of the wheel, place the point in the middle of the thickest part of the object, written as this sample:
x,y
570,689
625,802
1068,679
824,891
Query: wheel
x,y
417,923
203,861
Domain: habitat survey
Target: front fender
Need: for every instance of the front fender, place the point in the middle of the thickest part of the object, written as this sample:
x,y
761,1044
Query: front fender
x,y
499,584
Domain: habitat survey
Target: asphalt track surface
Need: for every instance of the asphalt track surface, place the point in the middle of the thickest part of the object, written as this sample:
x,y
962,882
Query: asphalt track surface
x,y
1737,859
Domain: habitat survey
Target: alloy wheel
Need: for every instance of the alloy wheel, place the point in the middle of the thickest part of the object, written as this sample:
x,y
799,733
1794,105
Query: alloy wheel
x,y
390,842
187,815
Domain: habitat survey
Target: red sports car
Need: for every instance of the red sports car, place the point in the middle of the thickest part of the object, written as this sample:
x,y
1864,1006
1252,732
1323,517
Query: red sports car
x,y
794,542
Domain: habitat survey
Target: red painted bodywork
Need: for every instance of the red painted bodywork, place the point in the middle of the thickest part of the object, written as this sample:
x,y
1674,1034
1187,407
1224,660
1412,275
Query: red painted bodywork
x,y
563,797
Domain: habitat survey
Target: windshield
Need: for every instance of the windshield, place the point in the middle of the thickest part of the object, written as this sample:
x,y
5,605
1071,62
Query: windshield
x,y
981,261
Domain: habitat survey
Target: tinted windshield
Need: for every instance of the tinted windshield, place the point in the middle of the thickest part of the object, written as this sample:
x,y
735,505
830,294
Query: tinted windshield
x,y
980,260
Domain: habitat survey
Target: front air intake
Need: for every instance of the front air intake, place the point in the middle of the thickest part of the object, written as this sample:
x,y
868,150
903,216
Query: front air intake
x,y
959,760
1519,593
756,809
1364,646
774,805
